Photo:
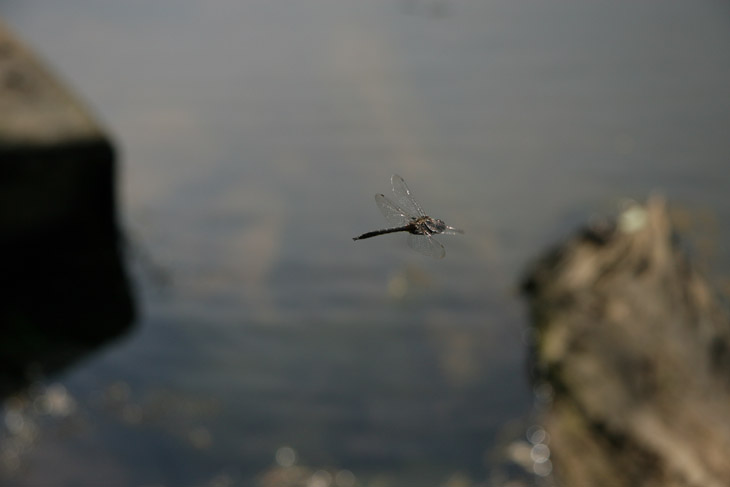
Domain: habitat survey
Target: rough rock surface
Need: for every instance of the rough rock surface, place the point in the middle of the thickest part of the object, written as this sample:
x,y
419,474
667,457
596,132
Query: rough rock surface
x,y
636,348
35,107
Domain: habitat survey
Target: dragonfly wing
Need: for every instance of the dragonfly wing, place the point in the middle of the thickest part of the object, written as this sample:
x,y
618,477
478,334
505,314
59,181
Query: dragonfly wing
x,y
426,245
395,215
404,198
452,231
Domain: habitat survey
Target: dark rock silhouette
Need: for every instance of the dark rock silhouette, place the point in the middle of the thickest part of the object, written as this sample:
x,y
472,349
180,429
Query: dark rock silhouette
x,y
63,285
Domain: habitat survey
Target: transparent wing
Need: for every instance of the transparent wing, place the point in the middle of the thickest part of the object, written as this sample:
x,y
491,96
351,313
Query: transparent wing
x,y
404,198
426,245
391,211
452,231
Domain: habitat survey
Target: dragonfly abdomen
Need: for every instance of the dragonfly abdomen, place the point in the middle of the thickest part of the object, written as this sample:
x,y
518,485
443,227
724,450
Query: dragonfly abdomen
x,y
375,233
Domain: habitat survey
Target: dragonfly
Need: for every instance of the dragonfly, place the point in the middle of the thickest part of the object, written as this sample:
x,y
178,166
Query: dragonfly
x,y
407,216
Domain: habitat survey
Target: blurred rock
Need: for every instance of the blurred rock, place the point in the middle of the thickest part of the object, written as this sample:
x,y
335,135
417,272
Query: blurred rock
x,y
64,288
636,349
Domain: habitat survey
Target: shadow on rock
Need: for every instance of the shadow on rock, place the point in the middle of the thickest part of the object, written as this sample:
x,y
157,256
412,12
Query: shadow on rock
x,y
64,287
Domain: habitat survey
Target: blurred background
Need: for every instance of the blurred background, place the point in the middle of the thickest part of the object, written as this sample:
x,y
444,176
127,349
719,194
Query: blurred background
x,y
252,138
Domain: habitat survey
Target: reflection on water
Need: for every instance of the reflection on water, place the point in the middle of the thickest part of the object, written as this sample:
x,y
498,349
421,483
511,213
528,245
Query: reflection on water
x,y
254,131
340,399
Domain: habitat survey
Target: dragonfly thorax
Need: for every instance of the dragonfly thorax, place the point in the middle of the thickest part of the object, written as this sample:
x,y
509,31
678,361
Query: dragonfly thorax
x,y
426,225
